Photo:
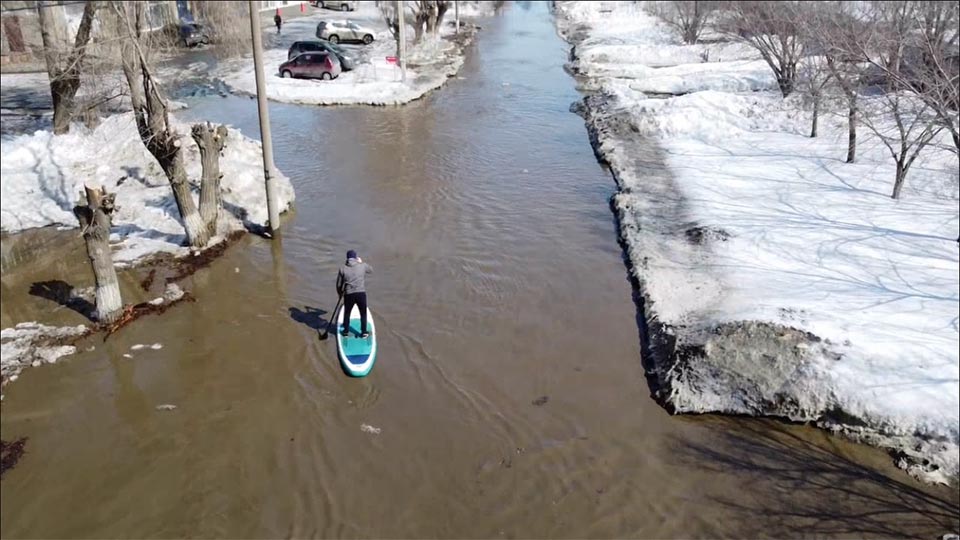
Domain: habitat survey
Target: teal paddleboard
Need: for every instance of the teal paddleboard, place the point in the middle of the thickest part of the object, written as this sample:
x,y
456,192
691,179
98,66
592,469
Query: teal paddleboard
x,y
357,354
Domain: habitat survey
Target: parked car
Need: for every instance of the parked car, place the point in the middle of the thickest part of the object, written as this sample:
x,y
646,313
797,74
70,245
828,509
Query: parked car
x,y
193,34
346,61
311,65
342,5
337,31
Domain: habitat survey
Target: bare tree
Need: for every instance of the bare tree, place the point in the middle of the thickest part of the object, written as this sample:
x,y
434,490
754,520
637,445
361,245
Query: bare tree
x,y
936,78
388,10
421,13
847,77
919,51
870,44
441,10
64,68
813,79
832,30
426,16
211,142
687,17
94,211
230,24
906,126
153,123
894,28
773,29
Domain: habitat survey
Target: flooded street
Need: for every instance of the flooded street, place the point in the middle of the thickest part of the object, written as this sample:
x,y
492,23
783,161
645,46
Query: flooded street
x,y
508,399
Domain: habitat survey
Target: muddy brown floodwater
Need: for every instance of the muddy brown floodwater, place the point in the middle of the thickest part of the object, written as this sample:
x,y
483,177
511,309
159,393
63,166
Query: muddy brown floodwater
x,y
499,282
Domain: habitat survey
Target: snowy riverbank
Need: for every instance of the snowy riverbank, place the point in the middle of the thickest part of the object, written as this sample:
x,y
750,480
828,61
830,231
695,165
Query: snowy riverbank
x,y
374,81
43,176
777,279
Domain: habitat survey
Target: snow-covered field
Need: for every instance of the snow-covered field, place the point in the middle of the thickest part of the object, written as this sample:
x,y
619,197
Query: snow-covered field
x,y
43,175
792,283
374,81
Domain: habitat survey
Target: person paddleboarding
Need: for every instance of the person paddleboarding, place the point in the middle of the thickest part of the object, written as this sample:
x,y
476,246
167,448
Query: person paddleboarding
x,y
352,287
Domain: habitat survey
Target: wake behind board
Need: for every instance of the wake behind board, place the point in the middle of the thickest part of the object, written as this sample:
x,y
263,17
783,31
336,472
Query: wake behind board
x,y
357,354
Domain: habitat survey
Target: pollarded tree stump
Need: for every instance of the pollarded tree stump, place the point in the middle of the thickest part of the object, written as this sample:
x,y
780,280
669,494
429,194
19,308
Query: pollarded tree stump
x,y
93,211
211,141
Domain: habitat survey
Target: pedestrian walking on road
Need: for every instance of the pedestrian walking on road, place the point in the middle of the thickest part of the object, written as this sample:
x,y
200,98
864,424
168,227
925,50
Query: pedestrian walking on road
x,y
277,20
350,285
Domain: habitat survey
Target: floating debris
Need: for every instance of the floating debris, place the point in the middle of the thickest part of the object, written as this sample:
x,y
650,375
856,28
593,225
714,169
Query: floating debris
x,y
10,453
367,428
165,407
127,355
542,400
156,346
137,347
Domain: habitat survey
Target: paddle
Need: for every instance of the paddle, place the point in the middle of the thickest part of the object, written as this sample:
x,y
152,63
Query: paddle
x,y
333,315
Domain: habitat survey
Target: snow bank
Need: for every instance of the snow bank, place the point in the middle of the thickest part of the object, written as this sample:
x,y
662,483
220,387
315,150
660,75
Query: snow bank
x,y
43,176
373,83
777,278
31,343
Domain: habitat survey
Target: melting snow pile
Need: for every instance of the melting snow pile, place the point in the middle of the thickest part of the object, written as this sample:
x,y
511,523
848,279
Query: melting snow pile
x,y
44,174
34,344
777,278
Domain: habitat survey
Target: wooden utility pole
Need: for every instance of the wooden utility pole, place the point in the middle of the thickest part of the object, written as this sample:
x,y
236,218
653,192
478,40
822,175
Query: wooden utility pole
x,y
264,112
456,14
403,41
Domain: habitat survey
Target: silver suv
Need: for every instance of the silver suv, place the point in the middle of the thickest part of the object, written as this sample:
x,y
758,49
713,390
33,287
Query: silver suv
x,y
337,31
342,5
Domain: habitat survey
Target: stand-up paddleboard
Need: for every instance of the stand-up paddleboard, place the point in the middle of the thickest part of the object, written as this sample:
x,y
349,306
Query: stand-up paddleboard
x,y
357,354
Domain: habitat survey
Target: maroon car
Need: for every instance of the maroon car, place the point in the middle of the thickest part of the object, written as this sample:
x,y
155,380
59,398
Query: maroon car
x,y
311,65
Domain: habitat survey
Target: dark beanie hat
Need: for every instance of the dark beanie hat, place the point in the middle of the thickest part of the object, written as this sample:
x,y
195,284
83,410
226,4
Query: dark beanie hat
x,y
351,254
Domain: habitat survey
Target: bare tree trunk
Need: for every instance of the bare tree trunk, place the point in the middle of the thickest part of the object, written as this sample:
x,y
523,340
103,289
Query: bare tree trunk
x,y
418,28
153,123
816,115
432,19
442,7
852,131
64,76
899,180
94,218
211,142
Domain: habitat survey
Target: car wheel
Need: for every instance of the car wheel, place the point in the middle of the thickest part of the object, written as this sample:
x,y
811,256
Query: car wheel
x,y
286,74
333,38
344,7
326,76
367,39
